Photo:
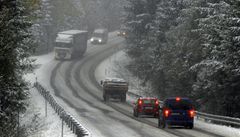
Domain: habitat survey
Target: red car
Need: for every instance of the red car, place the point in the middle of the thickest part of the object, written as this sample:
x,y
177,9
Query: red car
x,y
146,106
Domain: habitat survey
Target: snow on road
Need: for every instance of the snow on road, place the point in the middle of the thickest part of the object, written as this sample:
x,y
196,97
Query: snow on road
x,y
115,67
111,67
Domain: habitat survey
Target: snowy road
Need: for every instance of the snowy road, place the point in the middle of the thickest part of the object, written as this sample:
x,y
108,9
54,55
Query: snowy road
x,y
77,90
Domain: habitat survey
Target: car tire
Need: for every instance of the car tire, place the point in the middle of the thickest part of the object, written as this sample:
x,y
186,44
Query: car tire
x,y
190,126
134,113
137,114
161,124
168,125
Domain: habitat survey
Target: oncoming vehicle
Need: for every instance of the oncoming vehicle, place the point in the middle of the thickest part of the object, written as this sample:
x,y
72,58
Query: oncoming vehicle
x,y
114,88
178,112
146,106
99,36
121,33
71,43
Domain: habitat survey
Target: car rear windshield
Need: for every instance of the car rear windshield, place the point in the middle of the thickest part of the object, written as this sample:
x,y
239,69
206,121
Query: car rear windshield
x,y
179,105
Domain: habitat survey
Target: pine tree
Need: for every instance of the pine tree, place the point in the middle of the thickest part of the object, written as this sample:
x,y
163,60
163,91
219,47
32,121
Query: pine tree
x,y
41,29
218,75
164,65
138,21
14,52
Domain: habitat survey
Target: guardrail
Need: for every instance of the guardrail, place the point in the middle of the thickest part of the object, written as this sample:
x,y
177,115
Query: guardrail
x,y
224,120
217,119
72,123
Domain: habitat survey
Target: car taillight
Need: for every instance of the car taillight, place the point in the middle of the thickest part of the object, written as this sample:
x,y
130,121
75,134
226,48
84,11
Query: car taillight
x,y
140,102
178,99
191,113
156,102
166,113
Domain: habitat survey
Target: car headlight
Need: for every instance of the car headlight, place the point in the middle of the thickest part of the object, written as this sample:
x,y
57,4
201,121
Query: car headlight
x,y
91,39
99,40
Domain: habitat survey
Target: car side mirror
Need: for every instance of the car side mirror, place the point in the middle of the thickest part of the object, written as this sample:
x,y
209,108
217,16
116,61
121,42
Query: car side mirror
x,y
101,82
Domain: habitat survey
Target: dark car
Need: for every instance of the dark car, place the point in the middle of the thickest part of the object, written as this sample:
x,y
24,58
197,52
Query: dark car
x,y
146,106
178,112
99,36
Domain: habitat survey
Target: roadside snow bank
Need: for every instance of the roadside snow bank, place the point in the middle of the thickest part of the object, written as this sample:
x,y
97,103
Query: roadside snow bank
x,y
35,120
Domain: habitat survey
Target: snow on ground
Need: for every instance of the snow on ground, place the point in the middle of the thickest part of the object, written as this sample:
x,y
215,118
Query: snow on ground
x,y
35,119
115,67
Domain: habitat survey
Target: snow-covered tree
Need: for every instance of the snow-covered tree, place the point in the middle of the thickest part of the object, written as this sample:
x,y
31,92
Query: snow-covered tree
x,y
15,48
218,74
139,17
42,26
188,48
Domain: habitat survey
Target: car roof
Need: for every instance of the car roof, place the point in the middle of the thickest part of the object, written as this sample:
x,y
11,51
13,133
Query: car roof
x,y
148,98
115,79
174,98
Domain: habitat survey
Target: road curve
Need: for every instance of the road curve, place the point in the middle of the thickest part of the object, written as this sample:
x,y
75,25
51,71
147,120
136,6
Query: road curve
x,y
100,119
75,84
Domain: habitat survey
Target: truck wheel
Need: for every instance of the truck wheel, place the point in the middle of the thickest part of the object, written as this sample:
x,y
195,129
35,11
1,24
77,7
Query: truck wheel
x,y
107,97
104,98
123,98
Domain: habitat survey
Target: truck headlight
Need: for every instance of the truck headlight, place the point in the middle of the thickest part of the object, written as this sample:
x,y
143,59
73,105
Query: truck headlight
x,y
100,40
91,39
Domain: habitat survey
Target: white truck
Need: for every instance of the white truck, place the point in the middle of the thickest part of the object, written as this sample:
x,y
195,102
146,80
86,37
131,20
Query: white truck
x,y
70,44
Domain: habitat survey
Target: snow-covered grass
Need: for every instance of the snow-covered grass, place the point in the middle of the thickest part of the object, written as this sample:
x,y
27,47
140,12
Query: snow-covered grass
x,y
35,119
115,67
40,125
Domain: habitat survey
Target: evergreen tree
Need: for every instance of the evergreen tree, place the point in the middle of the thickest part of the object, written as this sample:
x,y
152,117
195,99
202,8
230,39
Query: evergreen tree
x,y
188,48
218,75
164,75
14,52
139,19
43,22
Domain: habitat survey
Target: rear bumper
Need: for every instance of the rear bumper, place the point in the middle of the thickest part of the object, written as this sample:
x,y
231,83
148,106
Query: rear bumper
x,y
179,123
148,112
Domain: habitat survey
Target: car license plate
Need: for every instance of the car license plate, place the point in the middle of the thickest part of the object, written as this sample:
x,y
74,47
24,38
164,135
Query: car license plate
x,y
148,107
175,114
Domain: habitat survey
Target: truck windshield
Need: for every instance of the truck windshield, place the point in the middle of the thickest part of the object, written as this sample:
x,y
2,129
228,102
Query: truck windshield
x,y
97,35
63,45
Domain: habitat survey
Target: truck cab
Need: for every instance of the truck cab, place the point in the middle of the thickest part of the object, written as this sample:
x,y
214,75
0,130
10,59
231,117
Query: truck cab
x,y
70,44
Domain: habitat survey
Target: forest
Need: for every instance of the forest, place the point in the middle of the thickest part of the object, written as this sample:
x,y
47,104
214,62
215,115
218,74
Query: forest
x,y
188,48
